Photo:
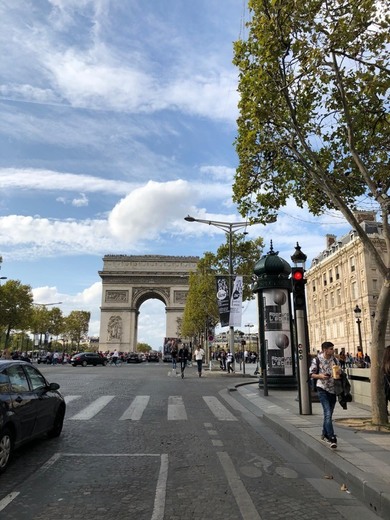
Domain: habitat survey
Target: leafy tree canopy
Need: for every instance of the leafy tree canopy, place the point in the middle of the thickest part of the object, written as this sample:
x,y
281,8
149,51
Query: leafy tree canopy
x,y
314,81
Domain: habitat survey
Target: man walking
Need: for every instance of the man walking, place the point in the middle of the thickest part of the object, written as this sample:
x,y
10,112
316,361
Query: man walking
x,y
183,357
325,368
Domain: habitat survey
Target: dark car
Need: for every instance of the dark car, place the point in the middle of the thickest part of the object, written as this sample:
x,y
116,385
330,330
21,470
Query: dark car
x,y
153,356
88,358
134,357
30,406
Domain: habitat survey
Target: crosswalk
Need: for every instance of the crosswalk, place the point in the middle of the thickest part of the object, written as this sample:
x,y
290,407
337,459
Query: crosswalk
x,y
176,409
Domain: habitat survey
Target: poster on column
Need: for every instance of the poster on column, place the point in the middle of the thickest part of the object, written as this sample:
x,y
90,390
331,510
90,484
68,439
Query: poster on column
x,y
277,332
223,299
236,303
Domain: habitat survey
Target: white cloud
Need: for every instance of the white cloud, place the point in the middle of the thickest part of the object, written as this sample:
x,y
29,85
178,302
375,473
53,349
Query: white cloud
x,y
81,201
147,211
46,180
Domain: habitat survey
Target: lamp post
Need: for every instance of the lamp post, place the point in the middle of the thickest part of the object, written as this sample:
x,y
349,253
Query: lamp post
x,y
358,312
229,228
2,278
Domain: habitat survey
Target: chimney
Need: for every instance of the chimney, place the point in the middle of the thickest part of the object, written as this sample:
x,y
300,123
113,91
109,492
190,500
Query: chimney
x,y
330,239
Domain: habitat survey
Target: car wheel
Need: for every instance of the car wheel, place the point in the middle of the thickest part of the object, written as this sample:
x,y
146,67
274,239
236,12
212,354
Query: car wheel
x,y
105,363
57,424
6,447
84,363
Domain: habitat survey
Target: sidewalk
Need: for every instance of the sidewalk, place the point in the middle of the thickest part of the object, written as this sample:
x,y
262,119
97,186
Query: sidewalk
x,y
362,458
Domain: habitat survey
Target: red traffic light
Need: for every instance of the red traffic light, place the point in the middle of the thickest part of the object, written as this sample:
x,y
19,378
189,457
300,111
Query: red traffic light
x,y
297,275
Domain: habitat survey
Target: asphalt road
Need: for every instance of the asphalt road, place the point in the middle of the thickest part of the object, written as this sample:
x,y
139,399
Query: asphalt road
x,y
141,443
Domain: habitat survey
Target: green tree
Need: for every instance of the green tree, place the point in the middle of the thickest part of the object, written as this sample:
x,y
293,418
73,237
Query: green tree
x,y
314,122
143,347
201,309
77,325
15,307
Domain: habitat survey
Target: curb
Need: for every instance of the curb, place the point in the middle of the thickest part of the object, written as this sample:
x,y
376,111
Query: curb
x,y
374,493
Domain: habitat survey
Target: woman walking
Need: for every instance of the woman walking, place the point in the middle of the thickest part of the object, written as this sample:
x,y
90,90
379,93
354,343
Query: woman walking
x,y
199,355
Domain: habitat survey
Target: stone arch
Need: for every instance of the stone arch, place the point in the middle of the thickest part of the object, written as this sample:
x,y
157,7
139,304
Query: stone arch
x,y
128,282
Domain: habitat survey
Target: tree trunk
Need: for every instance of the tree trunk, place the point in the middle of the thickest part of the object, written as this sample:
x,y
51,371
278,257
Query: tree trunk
x,y
378,400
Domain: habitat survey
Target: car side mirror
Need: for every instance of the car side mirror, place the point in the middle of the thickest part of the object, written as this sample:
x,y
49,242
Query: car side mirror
x,y
54,386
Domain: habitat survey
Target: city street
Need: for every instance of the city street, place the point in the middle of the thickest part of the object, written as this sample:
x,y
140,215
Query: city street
x,y
139,442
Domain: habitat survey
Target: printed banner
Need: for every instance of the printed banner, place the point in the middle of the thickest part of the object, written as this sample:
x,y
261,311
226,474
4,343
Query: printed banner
x,y
236,303
223,299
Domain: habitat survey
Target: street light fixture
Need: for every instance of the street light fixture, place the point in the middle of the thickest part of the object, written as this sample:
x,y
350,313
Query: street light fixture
x,y
358,312
229,228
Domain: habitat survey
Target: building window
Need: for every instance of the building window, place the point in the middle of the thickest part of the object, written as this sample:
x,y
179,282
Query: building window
x,y
326,302
374,284
338,296
324,279
337,273
354,294
332,299
352,263
330,275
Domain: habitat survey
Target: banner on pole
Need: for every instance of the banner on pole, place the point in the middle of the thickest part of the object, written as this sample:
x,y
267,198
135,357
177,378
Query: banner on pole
x,y
223,299
236,303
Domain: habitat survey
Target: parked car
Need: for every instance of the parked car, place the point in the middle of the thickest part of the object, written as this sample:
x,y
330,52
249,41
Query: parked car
x,y
153,356
134,357
88,358
30,407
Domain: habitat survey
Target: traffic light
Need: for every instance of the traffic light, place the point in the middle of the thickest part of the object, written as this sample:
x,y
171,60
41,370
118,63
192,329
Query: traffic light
x,y
298,288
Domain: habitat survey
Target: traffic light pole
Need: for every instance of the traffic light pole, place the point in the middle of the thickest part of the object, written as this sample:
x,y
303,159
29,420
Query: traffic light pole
x,y
302,365
302,339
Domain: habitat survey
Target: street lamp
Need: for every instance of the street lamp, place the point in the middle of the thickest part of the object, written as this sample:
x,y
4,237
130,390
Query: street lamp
x,y
3,278
229,228
358,312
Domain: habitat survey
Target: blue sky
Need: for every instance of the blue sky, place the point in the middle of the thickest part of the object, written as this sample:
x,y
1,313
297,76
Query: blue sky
x,y
117,119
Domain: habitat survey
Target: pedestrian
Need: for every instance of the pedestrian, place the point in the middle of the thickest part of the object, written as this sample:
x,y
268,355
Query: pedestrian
x,y
183,357
199,355
324,368
115,358
174,356
386,373
230,361
342,358
222,359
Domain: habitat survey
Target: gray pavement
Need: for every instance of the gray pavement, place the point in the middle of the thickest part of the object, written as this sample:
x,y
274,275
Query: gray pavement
x,y
362,459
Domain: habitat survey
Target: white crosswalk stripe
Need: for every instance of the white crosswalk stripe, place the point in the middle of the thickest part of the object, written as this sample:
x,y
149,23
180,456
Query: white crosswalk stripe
x,y
136,409
176,409
220,411
94,408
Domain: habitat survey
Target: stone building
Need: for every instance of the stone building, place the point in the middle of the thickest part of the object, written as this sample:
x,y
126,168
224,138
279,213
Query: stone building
x,y
340,278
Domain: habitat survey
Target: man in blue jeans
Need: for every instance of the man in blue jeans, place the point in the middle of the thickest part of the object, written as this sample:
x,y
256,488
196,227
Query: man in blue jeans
x,y
321,369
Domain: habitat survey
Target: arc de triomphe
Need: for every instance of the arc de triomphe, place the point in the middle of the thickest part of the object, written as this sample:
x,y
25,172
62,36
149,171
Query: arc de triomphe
x,y
129,281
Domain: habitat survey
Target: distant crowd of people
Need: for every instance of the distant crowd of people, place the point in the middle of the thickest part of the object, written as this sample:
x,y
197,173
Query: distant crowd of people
x,y
225,358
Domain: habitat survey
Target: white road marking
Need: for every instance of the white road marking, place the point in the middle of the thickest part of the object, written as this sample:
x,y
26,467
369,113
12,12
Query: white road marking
x,y
218,409
8,499
244,502
176,409
136,409
94,408
161,490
